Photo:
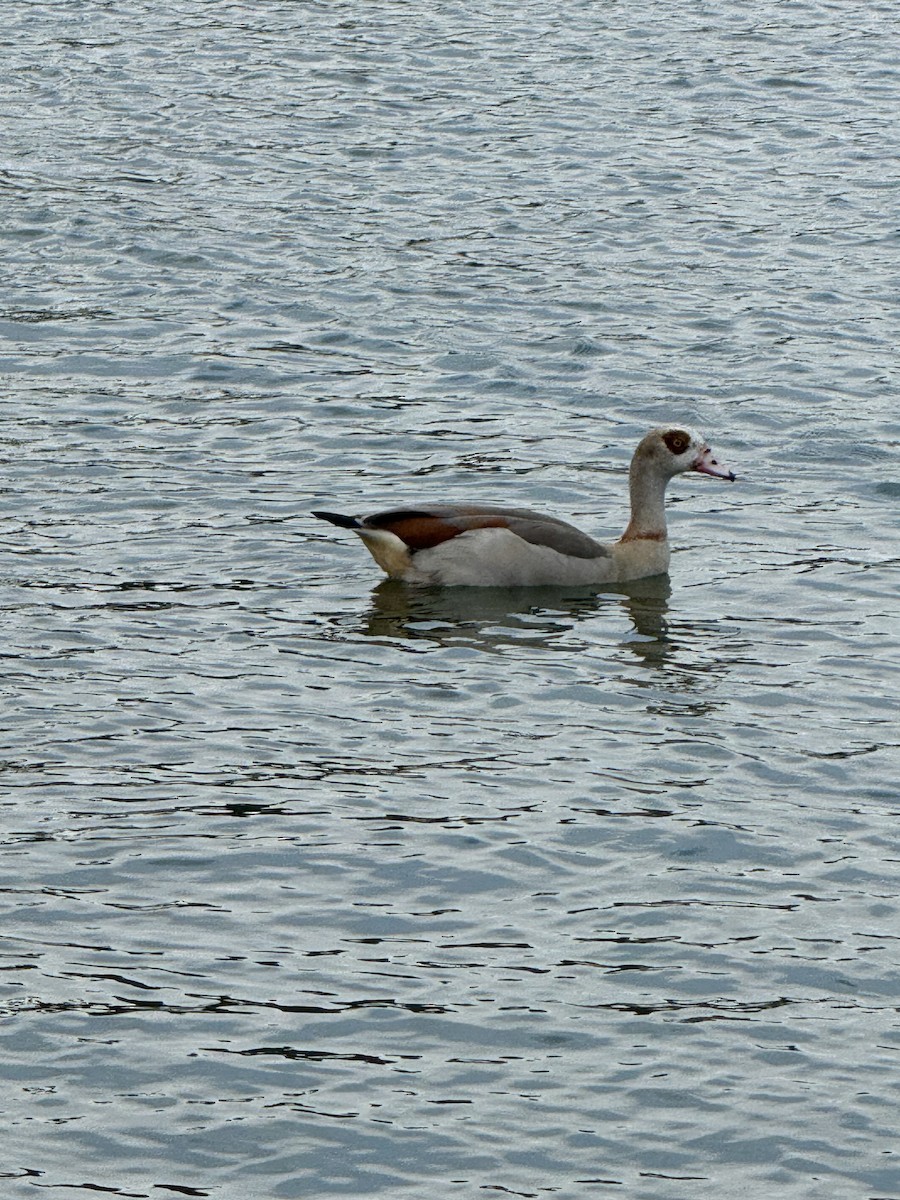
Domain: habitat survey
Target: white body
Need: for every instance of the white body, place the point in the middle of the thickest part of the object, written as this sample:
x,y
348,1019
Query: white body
x,y
500,558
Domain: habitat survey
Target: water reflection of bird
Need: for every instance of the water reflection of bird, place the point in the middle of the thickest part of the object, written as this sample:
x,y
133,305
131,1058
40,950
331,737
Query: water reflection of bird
x,y
647,603
496,617
486,545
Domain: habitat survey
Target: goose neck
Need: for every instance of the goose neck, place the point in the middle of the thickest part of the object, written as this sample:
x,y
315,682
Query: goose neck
x,y
648,504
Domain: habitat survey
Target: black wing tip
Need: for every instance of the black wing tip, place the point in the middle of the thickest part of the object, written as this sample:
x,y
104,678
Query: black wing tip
x,y
338,519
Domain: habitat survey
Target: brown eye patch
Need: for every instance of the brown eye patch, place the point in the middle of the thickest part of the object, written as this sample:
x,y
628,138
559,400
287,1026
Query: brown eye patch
x,y
677,440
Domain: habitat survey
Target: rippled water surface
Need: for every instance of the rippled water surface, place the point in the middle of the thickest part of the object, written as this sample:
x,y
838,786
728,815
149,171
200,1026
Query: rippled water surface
x,y
316,885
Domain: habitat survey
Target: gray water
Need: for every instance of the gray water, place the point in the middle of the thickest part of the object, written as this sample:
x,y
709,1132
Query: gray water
x,y
320,886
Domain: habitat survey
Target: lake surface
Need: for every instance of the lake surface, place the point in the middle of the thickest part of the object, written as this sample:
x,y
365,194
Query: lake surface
x,y
316,885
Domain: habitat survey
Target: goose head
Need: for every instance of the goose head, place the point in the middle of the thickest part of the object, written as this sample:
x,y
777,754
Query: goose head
x,y
672,451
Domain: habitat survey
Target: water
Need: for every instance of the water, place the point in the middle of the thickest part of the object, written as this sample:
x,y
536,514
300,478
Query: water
x,y
317,886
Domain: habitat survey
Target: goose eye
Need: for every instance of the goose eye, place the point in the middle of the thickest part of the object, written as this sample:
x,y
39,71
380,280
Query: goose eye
x,y
677,441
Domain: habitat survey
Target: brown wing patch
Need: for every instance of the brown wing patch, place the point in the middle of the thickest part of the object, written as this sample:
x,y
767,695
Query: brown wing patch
x,y
422,530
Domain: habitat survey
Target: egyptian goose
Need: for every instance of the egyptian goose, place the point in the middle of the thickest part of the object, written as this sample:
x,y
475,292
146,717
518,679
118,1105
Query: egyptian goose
x,y
488,546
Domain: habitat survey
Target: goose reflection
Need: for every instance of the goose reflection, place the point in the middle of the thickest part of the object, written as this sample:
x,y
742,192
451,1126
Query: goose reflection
x,y
496,618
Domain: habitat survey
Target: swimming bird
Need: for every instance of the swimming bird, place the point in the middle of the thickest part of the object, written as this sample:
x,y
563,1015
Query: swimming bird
x,y
484,545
